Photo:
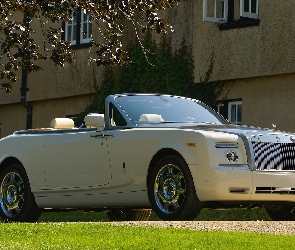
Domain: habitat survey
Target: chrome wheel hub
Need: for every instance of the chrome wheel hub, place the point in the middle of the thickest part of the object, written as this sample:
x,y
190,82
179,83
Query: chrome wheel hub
x,y
169,189
11,194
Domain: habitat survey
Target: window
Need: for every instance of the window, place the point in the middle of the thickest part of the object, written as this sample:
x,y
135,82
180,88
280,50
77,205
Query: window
x,y
231,110
249,8
86,27
235,112
78,29
215,10
116,119
220,108
231,13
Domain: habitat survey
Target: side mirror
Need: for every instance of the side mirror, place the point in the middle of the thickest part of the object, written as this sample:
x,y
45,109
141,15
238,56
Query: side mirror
x,y
94,121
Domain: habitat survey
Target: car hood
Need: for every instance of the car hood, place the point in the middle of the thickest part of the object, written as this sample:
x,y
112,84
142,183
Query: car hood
x,y
253,134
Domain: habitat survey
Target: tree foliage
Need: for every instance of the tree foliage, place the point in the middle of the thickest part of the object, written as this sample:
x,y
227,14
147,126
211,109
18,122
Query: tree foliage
x,y
168,71
19,50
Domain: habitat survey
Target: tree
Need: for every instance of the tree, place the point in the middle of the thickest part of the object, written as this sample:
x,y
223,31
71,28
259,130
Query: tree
x,y
20,51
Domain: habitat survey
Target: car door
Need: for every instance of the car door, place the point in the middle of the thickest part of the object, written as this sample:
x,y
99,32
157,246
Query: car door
x,y
122,156
76,160
130,152
125,150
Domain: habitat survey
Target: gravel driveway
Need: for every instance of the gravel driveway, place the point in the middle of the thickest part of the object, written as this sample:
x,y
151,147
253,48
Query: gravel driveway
x,y
268,227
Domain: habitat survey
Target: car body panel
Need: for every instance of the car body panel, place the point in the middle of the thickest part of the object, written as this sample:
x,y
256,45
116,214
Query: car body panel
x,y
95,168
80,161
27,149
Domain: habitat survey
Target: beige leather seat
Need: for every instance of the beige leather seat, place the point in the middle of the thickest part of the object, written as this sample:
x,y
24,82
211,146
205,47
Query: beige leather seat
x,y
150,118
62,123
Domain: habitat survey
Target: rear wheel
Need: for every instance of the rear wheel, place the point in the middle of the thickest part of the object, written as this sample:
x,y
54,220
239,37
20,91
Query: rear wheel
x,y
171,190
17,203
128,215
281,213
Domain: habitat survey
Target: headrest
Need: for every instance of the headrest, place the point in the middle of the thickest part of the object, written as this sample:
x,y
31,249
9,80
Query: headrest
x,y
94,120
150,118
62,123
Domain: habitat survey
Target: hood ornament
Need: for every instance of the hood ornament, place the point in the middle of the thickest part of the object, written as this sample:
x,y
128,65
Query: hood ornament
x,y
274,127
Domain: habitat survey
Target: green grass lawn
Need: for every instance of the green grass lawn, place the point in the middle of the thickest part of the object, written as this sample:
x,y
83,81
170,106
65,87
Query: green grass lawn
x,y
106,236
60,231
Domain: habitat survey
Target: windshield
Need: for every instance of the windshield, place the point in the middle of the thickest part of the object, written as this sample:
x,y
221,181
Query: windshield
x,y
145,108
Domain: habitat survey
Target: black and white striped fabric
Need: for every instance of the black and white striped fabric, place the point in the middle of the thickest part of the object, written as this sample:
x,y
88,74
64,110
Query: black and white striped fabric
x,y
274,156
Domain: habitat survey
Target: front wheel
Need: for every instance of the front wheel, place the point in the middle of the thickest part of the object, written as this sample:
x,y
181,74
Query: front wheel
x,y
281,213
17,203
171,190
129,215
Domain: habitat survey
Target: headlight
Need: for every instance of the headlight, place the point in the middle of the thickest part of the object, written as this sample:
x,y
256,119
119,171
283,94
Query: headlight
x,y
232,156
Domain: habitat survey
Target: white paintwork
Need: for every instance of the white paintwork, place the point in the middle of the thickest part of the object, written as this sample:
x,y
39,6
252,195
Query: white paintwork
x,y
86,169
78,162
82,168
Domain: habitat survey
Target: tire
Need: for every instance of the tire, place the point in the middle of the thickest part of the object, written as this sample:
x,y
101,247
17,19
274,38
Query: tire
x,y
281,213
128,215
171,190
17,202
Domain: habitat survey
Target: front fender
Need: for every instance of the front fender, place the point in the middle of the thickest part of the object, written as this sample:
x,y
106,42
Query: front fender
x,y
192,147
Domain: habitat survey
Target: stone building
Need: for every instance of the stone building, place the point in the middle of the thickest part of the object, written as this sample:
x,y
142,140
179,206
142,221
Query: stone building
x,y
249,43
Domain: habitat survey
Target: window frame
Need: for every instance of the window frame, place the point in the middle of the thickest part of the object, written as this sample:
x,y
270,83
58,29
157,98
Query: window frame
x,y
249,14
88,22
78,41
234,15
114,114
230,105
215,19
71,23
219,107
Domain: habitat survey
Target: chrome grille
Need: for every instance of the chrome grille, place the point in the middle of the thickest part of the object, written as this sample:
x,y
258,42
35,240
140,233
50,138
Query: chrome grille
x,y
274,156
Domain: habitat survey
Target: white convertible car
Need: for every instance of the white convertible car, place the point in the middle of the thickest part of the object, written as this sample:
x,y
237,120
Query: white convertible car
x,y
171,154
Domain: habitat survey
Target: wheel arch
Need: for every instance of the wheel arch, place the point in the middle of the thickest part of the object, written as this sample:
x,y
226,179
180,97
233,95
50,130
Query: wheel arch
x,y
7,162
160,155
21,206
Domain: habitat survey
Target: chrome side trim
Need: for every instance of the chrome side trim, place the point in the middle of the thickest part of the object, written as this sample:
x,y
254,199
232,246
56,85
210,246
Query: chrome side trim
x,y
274,190
249,152
239,190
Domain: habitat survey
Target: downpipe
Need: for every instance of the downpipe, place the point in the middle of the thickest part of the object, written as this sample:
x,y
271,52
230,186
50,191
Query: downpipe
x,y
24,89
29,109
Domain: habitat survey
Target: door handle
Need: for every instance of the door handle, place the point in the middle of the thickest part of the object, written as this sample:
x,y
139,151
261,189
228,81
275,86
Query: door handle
x,y
103,135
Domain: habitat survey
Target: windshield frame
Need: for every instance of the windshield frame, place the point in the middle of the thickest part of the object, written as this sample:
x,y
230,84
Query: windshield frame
x,y
116,100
